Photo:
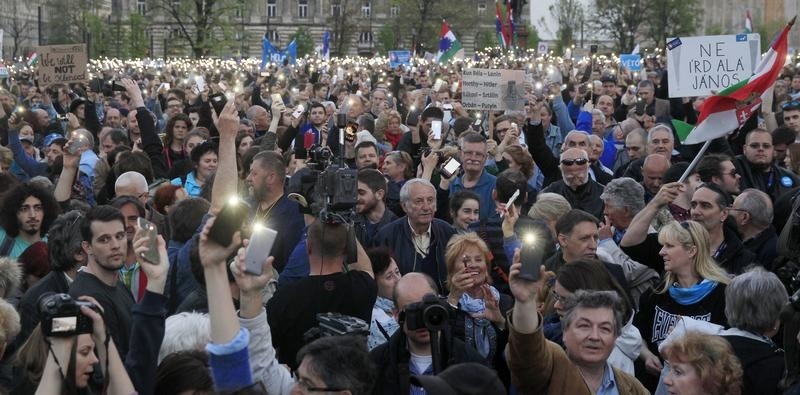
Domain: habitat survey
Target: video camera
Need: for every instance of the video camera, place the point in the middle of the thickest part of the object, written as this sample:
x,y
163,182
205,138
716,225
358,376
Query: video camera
x,y
336,324
62,316
331,189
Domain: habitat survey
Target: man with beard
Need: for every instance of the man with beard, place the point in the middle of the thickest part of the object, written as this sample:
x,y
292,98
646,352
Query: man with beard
x,y
757,168
371,210
105,244
270,207
27,213
580,191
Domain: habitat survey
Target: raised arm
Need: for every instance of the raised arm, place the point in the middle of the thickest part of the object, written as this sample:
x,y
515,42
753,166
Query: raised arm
x,y
637,230
226,181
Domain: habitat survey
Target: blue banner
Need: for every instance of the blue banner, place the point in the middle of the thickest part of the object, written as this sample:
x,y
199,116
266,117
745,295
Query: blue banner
x,y
271,54
632,62
326,50
400,57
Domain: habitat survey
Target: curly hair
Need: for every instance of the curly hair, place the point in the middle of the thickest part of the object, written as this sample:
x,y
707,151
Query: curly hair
x,y
718,368
168,136
12,201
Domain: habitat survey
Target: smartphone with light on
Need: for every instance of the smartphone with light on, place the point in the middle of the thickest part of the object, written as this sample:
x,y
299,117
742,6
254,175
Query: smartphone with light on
x,y
261,242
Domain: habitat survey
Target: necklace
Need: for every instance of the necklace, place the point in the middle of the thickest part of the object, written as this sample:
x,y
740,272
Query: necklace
x,y
268,210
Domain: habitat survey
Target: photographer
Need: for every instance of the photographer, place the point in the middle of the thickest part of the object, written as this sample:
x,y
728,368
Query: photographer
x,y
72,359
409,351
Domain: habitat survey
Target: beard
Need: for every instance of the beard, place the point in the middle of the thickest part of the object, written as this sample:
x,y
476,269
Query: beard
x,y
259,192
574,181
31,230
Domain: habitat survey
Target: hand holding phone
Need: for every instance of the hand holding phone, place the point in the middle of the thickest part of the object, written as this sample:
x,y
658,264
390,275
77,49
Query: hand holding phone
x,y
150,231
450,167
530,256
258,249
218,101
436,129
511,201
229,221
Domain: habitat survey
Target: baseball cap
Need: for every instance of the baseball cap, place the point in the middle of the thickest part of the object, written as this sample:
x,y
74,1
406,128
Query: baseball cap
x,y
462,379
53,137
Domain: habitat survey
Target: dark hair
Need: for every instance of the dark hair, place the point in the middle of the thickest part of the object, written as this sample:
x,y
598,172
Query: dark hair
x,y
380,257
365,144
8,181
118,136
247,159
373,178
102,213
573,217
508,182
431,112
184,371
111,156
185,218
13,199
132,161
458,199
723,198
271,160
315,104
340,362
711,166
327,240
121,201
64,240
168,137
591,275
202,149
783,135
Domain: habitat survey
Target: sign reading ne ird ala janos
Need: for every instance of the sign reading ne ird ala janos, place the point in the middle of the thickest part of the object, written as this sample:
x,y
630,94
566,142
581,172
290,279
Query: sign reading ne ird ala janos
x,y
493,89
62,63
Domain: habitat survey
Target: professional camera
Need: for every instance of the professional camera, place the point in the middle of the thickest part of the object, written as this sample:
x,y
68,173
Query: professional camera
x,y
331,190
433,313
62,316
336,324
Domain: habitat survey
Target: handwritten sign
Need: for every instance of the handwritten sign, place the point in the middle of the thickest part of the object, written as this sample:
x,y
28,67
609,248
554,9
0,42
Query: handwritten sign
x,y
632,62
696,66
492,89
62,63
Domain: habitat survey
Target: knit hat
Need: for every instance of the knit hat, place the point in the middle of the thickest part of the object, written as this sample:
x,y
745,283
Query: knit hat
x,y
462,379
77,102
35,260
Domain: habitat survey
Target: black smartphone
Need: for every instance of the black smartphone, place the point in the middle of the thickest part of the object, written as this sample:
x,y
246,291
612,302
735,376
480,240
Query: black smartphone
x,y
593,49
341,120
640,106
531,258
218,102
229,221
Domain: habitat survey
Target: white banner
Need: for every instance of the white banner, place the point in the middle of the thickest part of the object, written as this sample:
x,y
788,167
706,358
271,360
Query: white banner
x,y
492,89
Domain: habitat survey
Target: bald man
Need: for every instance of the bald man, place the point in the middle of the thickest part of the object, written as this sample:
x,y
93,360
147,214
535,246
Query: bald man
x,y
653,169
575,185
134,184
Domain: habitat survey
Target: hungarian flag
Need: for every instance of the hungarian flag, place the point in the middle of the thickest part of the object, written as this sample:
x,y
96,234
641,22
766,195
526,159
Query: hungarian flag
x,y
730,108
33,59
449,46
499,26
510,32
748,23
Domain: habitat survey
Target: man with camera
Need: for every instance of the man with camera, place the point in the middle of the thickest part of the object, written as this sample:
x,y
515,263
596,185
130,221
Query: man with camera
x,y
334,285
409,351
418,240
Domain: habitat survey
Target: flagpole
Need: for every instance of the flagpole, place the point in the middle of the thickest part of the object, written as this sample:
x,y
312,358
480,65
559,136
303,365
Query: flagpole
x,y
695,161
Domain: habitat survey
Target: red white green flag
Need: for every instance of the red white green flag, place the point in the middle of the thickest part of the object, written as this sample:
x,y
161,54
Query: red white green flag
x,y
730,108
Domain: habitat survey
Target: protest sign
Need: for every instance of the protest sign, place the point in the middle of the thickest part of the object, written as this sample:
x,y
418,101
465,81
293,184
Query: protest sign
x,y
399,58
696,66
491,89
632,62
270,53
62,63
3,71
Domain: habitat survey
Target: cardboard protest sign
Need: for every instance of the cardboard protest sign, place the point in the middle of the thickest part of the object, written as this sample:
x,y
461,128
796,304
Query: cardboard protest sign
x,y
492,89
696,66
399,58
62,63
632,62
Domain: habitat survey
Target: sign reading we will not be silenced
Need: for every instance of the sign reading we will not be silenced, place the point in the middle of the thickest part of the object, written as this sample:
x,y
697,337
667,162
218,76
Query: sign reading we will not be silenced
x,y
493,89
62,63
696,66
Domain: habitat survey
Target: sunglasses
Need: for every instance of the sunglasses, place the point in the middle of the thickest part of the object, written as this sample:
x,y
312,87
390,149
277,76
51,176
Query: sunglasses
x,y
570,162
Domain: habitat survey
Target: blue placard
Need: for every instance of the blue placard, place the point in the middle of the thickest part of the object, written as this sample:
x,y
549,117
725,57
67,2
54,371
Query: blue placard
x,y
632,62
270,53
674,43
399,58
741,37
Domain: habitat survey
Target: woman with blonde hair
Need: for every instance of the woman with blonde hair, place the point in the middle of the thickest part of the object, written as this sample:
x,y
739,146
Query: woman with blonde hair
x,y
468,262
694,286
702,364
388,129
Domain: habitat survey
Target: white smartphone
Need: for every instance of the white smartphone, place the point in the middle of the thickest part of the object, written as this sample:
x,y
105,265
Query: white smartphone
x,y
450,167
454,87
437,85
276,97
436,130
201,83
298,111
258,250
511,200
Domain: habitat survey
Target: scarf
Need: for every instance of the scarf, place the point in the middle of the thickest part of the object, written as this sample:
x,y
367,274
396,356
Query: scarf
x,y
479,331
693,294
384,304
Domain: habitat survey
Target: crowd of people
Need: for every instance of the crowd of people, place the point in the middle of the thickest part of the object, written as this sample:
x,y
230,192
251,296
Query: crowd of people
x,y
555,249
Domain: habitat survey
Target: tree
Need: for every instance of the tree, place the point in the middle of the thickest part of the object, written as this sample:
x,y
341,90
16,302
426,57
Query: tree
x,y
768,31
619,20
342,23
568,15
16,25
485,39
424,17
387,39
205,25
533,37
69,20
305,43
671,18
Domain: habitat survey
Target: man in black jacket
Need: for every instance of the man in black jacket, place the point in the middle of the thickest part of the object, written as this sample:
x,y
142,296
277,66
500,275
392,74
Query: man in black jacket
x,y
418,240
757,168
576,186
409,352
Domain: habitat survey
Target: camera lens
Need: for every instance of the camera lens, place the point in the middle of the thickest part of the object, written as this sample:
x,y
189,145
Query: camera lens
x,y
435,317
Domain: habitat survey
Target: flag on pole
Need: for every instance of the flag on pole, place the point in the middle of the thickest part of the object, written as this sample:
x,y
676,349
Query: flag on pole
x,y
635,49
500,27
33,59
730,108
748,23
449,46
326,50
509,10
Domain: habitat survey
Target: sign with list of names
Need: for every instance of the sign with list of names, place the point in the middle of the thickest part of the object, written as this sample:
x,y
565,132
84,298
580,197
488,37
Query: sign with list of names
x,y
493,89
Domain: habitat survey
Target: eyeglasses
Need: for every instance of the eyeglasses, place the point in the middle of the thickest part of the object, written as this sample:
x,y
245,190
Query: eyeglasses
x,y
764,146
570,162
791,105
685,225
731,173
738,209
